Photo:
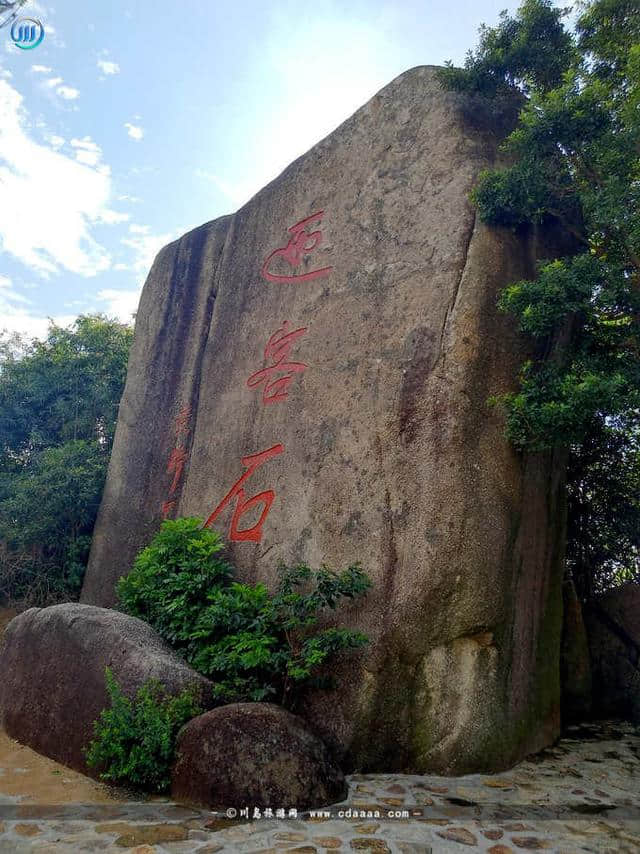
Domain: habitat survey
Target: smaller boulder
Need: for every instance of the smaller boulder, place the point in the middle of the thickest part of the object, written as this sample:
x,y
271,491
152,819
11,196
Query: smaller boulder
x,y
256,755
52,664
613,629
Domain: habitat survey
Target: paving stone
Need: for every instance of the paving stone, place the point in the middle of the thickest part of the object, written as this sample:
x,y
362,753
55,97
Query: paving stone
x,y
498,784
458,834
151,834
365,844
530,843
328,842
289,836
493,834
27,829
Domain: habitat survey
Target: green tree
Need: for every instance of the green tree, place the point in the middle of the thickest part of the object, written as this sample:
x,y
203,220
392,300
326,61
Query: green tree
x,y
58,408
575,159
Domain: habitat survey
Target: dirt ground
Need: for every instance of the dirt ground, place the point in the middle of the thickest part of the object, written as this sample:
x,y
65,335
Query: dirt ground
x,y
34,777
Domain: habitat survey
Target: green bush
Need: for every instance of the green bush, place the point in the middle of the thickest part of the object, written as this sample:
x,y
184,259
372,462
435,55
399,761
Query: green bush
x,y
172,578
252,643
134,741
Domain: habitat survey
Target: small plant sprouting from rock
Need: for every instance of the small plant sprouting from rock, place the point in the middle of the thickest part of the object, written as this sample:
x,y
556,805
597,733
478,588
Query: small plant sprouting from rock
x,y
253,644
134,740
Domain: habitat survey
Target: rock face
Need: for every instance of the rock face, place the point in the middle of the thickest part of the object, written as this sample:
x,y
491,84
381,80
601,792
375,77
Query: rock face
x,y
253,754
613,629
311,376
52,665
575,664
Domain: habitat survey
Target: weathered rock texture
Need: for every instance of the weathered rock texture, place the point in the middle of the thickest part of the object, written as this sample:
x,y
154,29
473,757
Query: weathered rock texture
x,y
254,753
52,684
613,629
575,663
382,447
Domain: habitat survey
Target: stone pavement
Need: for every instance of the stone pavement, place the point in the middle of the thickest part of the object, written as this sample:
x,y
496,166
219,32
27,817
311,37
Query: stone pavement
x,y
583,795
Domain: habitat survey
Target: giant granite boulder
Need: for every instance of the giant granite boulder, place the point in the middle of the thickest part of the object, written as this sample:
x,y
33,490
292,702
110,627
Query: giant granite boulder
x,y
310,376
52,664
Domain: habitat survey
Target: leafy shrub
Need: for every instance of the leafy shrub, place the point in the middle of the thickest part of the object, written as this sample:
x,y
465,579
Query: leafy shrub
x,y
257,645
134,741
252,643
173,577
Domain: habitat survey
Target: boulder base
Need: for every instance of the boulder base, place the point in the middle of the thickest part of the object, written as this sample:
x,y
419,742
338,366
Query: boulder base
x,y
52,664
613,629
254,754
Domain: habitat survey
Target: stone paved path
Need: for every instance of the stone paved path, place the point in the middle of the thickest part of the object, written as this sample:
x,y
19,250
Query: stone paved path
x,y
583,795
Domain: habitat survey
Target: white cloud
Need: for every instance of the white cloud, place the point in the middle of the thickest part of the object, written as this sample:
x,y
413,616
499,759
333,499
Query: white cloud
x,y
67,92
125,198
41,69
55,141
134,131
5,74
7,292
145,248
139,229
50,201
15,317
28,324
108,67
87,151
109,217
120,304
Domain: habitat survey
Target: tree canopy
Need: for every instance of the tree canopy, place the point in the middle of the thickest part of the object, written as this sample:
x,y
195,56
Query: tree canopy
x,y
575,158
58,409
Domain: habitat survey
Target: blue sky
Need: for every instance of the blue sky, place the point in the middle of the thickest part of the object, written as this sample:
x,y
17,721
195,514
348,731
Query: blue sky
x,y
134,122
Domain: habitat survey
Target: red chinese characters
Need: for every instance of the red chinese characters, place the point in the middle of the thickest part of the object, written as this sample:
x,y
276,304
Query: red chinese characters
x,y
178,458
243,505
276,377
301,243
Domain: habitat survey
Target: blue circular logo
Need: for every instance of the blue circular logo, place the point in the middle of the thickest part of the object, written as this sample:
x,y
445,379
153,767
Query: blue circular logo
x,y
27,33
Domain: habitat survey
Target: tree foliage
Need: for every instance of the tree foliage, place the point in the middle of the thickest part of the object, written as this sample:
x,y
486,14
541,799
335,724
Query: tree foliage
x,y
58,408
575,159
254,644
